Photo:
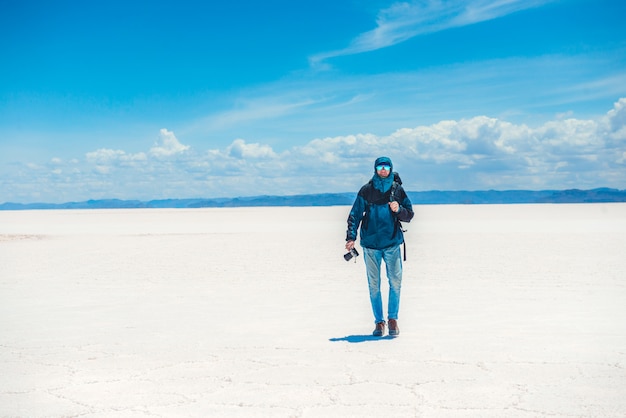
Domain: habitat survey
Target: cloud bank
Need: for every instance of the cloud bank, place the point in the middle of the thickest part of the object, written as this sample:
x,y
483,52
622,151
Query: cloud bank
x,y
468,154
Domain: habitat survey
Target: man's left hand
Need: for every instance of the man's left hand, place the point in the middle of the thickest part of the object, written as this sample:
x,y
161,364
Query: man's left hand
x,y
394,206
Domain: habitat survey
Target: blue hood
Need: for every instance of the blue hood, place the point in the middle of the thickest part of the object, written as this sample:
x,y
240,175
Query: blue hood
x,y
383,184
383,160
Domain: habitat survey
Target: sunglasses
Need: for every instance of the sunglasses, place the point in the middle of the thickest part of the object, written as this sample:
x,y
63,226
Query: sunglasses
x,y
383,167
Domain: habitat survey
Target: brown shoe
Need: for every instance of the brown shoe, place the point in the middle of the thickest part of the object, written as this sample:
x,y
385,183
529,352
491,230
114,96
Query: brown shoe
x,y
380,329
394,331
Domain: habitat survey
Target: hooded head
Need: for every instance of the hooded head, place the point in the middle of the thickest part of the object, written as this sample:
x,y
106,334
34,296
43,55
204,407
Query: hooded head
x,y
383,183
383,160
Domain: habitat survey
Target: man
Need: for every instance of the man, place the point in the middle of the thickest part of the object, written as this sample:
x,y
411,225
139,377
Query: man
x,y
379,207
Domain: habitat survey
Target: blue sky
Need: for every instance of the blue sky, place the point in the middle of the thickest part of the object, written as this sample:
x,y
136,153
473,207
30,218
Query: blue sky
x,y
179,99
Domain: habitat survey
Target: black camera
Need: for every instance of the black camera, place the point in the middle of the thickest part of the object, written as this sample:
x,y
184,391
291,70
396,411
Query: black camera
x,y
353,253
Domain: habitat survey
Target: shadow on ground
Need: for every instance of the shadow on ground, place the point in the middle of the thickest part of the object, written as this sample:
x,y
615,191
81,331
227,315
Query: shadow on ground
x,y
360,338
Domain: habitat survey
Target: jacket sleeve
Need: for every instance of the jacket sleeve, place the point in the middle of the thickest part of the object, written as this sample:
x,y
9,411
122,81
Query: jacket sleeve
x,y
405,214
355,217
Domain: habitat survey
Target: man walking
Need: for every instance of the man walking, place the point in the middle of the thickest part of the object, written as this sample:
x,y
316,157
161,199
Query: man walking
x,y
378,208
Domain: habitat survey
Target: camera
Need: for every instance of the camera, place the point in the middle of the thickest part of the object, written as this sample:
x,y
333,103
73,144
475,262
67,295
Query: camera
x,y
353,253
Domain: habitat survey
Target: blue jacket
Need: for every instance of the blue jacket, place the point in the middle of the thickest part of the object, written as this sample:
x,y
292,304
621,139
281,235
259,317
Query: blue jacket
x,y
380,227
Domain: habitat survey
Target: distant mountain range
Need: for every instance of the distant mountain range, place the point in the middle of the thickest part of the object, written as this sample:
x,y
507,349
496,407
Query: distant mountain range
x,y
434,197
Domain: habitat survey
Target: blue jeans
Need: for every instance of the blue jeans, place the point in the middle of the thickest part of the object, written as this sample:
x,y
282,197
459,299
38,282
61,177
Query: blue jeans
x,y
393,265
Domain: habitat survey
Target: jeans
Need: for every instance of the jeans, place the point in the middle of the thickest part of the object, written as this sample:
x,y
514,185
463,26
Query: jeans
x,y
393,265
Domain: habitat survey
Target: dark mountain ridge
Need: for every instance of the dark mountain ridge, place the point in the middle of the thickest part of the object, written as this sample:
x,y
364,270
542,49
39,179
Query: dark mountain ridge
x,y
433,197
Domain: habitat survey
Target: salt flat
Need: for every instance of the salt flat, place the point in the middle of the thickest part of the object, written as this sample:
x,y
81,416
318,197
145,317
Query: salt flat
x,y
507,311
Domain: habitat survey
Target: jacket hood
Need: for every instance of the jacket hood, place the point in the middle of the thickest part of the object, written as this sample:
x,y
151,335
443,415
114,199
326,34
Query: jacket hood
x,y
383,160
383,184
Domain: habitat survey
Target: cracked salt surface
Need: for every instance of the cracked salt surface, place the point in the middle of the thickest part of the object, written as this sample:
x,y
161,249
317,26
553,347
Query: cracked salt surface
x,y
507,311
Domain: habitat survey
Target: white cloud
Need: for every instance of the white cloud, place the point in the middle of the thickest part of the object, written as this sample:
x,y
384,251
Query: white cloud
x,y
480,151
168,145
102,169
240,150
104,155
110,156
616,121
472,153
570,134
405,20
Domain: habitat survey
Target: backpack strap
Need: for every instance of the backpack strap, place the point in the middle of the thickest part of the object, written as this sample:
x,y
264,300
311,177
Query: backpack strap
x,y
392,196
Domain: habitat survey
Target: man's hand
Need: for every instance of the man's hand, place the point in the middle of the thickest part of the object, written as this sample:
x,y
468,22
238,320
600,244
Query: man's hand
x,y
349,245
395,206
